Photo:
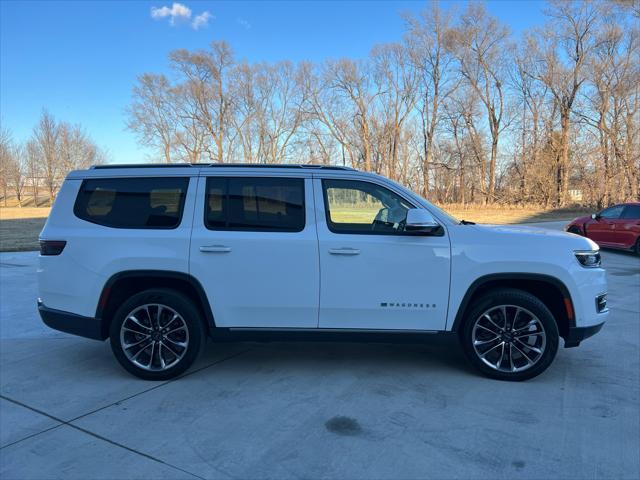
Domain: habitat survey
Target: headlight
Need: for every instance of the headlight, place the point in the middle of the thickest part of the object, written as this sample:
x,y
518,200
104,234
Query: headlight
x,y
589,258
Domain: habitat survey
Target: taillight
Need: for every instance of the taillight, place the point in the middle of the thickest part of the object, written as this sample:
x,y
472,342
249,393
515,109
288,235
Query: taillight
x,y
52,247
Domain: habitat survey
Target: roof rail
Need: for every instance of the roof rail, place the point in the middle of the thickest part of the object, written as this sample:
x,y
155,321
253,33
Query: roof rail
x,y
140,165
219,165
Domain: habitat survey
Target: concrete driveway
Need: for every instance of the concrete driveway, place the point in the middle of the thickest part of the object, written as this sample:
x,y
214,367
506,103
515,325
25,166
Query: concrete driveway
x,y
287,410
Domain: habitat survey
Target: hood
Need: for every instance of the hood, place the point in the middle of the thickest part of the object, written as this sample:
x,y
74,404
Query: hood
x,y
533,235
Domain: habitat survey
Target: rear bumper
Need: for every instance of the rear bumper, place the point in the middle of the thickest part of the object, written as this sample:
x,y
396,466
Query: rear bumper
x,y
577,334
71,323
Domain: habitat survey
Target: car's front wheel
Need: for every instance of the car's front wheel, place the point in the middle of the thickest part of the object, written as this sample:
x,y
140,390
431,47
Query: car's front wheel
x,y
637,248
574,229
510,334
157,334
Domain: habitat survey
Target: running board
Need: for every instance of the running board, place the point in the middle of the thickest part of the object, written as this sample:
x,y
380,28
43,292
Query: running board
x,y
322,335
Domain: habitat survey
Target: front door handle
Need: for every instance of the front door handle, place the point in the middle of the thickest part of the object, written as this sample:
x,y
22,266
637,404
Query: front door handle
x,y
344,251
215,249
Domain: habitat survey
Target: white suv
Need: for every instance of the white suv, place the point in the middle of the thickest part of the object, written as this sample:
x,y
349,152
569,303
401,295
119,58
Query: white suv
x,y
158,258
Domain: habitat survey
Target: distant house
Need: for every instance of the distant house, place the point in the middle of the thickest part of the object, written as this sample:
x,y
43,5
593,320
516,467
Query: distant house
x,y
575,194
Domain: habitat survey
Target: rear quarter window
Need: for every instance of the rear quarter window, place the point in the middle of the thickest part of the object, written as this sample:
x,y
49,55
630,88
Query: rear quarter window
x,y
631,212
136,203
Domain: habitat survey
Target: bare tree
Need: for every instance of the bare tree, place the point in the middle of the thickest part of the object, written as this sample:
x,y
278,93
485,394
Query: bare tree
x,y
151,115
33,168
427,41
480,44
46,136
207,74
562,50
5,160
16,171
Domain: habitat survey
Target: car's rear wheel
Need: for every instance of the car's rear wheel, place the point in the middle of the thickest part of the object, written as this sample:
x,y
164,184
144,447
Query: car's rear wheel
x,y
510,335
157,334
574,229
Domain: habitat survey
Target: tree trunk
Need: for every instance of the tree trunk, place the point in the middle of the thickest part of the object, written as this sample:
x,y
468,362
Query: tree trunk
x,y
562,172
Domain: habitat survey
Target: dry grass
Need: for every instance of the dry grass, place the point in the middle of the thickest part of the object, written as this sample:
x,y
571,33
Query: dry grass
x,y
513,214
19,227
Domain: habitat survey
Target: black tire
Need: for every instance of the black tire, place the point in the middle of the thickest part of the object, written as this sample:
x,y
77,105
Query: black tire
x,y
637,247
574,229
188,323
529,306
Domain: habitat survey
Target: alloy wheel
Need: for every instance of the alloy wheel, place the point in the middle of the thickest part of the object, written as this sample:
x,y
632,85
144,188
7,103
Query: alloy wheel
x,y
154,337
509,338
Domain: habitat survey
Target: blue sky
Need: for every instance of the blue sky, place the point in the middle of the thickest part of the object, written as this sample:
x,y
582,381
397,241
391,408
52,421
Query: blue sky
x,y
79,59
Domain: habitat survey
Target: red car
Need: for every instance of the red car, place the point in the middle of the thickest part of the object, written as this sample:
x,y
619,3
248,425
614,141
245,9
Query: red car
x,y
614,227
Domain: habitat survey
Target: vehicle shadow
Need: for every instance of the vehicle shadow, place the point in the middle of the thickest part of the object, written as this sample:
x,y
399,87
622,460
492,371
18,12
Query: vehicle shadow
x,y
442,354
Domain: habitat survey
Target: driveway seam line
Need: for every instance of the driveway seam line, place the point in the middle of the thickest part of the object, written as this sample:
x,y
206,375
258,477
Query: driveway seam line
x,y
31,436
95,435
155,387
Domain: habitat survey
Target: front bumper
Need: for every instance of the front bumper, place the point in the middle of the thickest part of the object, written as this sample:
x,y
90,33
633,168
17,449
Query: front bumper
x,y
71,323
577,334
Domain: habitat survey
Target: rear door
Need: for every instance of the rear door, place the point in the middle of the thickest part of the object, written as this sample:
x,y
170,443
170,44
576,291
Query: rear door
x,y
254,249
628,226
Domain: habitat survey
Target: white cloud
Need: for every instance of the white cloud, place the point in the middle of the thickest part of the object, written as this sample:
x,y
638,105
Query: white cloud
x,y
201,21
245,24
178,11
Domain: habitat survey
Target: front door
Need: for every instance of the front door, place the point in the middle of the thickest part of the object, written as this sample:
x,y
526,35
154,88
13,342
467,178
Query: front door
x,y
373,274
602,230
254,249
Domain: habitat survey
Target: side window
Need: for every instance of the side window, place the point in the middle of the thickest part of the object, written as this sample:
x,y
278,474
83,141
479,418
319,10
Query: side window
x,y
363,207
132,202
612,213
255,204
631,212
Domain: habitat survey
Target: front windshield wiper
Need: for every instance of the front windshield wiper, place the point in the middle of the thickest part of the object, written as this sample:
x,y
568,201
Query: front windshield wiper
x,y
466,222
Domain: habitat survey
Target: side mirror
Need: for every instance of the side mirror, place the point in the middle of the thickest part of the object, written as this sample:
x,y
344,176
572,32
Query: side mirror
x,y
595,216
421,221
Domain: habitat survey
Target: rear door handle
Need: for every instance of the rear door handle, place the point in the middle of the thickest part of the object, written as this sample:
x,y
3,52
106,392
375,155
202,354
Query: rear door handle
x,y
344,251
215,249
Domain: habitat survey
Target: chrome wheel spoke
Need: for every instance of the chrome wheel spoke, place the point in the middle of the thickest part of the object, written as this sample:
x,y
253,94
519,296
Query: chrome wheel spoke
x,y
484,342
153,350
137,322
136,332
182,327
529,361
528,334
501,355
491,350
179,344
173,319
163,364
511,365
170,350
129,345
139,352
531,323
530,347
488,317
503,309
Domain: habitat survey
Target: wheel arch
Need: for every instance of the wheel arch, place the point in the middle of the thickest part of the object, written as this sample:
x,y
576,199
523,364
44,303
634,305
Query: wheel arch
x,y
124,284
550,290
